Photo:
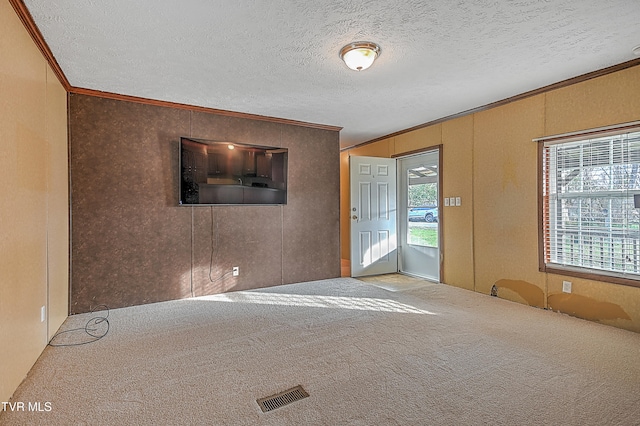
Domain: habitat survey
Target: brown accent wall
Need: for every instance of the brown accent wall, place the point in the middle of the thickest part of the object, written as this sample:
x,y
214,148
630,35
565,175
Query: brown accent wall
x,y
490,161
133,244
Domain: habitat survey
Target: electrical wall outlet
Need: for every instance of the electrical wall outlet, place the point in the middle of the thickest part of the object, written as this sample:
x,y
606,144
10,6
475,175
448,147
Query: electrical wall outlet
x,y
566,286
236,271
43,314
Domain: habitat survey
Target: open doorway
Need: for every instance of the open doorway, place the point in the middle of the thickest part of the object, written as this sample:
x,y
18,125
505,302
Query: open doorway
x,y
395,217
419,215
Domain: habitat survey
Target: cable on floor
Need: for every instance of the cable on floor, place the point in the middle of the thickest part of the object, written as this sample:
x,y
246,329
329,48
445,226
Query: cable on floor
x,y
92,328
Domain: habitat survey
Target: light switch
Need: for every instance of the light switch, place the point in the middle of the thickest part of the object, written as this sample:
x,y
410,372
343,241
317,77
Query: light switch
x,y
457,201
452,201
446,201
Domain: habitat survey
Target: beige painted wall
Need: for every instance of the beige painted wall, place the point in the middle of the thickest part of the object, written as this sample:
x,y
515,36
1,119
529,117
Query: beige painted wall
x,y
57,204
506,197
457,222
490,161
34,208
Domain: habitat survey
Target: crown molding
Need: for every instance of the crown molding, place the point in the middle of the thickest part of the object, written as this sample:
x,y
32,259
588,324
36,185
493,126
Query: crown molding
x,y
195,108
36,35
554,86
29,24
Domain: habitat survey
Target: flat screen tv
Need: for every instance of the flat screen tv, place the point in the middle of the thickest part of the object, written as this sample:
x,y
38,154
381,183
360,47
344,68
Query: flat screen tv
x,y
213,172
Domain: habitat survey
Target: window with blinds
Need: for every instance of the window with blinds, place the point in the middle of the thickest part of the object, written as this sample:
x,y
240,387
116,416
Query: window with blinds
x,y
589,220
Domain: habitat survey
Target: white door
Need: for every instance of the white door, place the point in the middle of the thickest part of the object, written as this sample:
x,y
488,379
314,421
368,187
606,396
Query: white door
x,y
373,216
419,225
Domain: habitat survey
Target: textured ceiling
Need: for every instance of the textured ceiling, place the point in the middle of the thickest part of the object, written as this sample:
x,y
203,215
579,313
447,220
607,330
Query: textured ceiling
x,y
280,58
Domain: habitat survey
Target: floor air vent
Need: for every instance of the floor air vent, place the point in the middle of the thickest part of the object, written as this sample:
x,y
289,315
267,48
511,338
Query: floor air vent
x,y
283,398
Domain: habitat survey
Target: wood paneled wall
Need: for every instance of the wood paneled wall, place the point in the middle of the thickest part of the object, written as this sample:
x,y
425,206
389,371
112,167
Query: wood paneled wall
x,y
133,244
34,212
490,161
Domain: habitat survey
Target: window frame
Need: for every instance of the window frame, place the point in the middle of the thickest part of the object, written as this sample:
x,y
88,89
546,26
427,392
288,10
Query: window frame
x,y
575,271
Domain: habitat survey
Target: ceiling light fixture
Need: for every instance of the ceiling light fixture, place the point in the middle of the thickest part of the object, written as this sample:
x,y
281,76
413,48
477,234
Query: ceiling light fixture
x,y
360,55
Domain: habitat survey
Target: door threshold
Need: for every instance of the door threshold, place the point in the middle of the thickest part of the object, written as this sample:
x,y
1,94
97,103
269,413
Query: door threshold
x,y
396,281
408,274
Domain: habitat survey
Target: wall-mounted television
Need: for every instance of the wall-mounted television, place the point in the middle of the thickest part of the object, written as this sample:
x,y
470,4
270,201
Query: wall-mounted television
x,y
214,172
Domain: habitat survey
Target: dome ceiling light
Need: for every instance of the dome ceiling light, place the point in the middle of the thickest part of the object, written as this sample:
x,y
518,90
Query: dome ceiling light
x,y
360,55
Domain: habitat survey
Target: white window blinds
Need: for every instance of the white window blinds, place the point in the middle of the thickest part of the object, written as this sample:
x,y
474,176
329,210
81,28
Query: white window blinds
x,y
588,214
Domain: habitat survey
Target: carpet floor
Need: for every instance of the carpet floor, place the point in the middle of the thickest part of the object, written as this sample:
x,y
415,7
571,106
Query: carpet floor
x,y
425,355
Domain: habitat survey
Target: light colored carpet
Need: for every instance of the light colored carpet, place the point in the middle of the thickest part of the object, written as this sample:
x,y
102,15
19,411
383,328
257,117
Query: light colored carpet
x,y
435,355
